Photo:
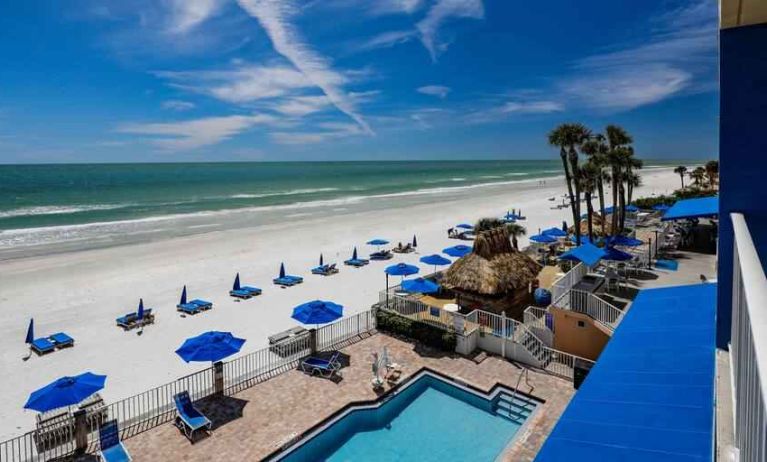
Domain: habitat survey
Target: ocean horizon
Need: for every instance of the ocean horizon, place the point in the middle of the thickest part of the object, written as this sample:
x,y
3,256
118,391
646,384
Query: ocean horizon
x,y
47,204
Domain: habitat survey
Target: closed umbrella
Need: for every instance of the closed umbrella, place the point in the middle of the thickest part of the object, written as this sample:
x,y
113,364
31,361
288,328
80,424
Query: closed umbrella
x,y
30,331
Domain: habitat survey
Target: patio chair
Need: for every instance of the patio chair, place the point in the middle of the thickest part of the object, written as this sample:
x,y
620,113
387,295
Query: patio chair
x,y
189,418
110,447
42,346
188,308
322,367
381,255
240,293
61,340
356,262
202,304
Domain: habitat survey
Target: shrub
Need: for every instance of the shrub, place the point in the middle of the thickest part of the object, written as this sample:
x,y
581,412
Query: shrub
x,y
423,332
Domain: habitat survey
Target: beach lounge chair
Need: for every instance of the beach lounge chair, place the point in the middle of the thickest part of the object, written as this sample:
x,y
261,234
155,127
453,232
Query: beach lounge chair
x,y
42,346
356,262
325,270
110,447
240,293
188,308
189,419
61,340
202,304
130,320
381,255
253,290
322,367
408,248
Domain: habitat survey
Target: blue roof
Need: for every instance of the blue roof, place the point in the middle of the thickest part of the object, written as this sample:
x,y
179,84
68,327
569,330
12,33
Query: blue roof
x,y
693,208
587,253
650,395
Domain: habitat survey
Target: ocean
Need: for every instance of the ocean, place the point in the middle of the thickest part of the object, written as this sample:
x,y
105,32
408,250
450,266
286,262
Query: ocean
x,y
108,204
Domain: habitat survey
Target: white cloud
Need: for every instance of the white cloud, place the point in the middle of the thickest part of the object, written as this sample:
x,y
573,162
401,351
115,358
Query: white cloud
x,y
532,107
191,134
678,56
302,105
385,40
328,131
245,83
275,17
439,13
186,14
396,6
177,105
439,91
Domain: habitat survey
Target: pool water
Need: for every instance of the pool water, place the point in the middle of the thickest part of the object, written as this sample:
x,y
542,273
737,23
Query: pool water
x,y
430,420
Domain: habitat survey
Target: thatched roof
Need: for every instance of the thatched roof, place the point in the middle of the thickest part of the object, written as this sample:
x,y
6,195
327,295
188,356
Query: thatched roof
x,y
492,268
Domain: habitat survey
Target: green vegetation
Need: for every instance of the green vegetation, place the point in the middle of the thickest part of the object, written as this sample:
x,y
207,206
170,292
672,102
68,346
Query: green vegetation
x,y
515,230
423,332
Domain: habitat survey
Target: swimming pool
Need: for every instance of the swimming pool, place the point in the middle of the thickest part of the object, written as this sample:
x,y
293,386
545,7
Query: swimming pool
x,y
428,419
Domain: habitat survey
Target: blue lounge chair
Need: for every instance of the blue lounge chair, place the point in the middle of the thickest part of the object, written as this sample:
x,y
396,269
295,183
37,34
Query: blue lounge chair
x,y
253,290
240,293
130,320
322,367
381,255
356,262
42,346
202,304
61,340
325,270
189,419
188,308
111,448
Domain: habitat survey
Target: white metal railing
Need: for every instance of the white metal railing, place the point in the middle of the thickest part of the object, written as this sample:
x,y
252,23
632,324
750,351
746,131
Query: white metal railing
x,y
568,280
748,348
587,303
538,320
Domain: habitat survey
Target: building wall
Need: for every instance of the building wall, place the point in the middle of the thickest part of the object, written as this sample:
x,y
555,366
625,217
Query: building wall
x,y
742,152
586,340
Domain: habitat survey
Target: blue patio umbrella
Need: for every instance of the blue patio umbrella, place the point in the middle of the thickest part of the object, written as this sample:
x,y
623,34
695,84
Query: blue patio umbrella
x,y
401,269
586,240
183,296
554,232
613,254
236,285
457,250
464,226
420,286
282,270
378,242
140,311
543,239
623,241
510,216
415,241
65,391
211,346
436,260
30,331
587,253
317,312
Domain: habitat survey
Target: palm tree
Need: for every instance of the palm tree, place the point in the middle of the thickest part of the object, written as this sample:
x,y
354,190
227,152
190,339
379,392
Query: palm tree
x,y
618,142
515,231
712,172
580,134
589,175
560,137
634,181
681,170
596,148
698,175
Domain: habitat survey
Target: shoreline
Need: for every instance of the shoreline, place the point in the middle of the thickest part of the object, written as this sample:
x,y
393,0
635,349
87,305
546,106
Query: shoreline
x,y
82,292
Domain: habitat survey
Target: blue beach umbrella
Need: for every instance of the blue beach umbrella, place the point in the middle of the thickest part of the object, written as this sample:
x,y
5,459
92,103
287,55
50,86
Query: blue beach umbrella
x,y
354,254
613,254
322,262
543,239
420,286
586,240
378,242
317,312
464,226
183,297
65,391
211,346
140,311
282,270
587,253
436,260
30,331
457,250
554,232
401,269
631,208
415,241
510,216
623,241
661,207
236,285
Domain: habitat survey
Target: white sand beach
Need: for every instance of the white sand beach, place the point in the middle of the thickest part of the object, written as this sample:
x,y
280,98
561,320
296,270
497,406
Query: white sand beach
x,y
81,293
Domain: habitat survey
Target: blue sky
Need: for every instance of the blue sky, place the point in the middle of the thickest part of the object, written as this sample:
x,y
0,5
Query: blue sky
x,y
214,80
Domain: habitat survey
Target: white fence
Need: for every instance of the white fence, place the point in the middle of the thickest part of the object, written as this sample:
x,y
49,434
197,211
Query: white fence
x,y
587,303
749,346
568,281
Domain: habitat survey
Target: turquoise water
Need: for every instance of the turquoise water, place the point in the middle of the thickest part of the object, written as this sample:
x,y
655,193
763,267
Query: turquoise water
x,y
430,420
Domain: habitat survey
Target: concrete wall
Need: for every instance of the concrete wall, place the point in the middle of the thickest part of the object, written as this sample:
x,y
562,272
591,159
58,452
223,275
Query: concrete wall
x,y
586,341
742,152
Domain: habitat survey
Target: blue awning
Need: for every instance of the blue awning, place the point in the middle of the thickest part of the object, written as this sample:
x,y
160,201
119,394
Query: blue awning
x,y
693,208
650,395
587,253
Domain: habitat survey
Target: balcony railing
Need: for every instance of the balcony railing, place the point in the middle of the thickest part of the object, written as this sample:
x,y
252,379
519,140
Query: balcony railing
x,y
749,345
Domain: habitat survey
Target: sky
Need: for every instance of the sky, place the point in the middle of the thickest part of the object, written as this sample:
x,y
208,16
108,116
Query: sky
x,y
273,80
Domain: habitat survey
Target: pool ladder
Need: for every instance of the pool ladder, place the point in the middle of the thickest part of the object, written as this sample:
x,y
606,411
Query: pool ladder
x,y
512,407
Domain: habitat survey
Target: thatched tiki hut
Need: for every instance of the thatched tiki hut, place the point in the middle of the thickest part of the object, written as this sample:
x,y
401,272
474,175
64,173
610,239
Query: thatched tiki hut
x,y
494,276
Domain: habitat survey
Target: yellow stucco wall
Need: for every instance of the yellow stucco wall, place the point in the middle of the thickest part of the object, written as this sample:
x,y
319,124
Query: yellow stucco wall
x,y
578,334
